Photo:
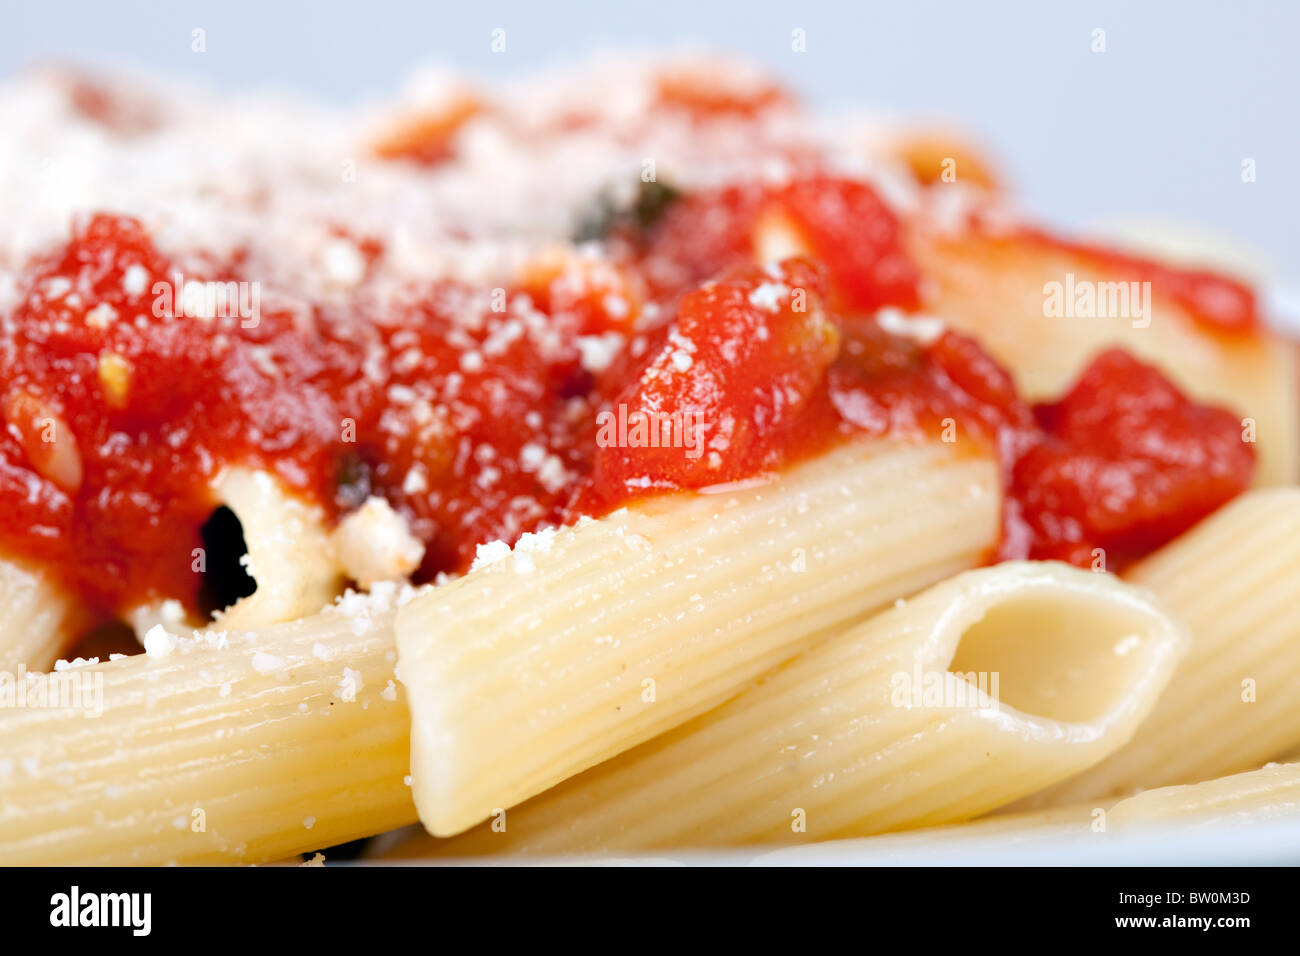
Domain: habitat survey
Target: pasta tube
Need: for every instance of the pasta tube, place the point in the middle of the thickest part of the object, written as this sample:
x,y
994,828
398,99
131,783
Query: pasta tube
x,y
1232,703
583,643
225,747
1272,792
888,726
289,552
40,618
289,556
950,843
953,843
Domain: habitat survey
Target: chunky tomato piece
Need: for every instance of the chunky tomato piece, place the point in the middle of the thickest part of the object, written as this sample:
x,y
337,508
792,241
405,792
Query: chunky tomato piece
x,y
768,383
1125,463
850,229
717,399
948,390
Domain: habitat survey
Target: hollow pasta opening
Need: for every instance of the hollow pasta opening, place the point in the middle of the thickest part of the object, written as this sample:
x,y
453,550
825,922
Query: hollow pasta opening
x,y
225,578
1057,655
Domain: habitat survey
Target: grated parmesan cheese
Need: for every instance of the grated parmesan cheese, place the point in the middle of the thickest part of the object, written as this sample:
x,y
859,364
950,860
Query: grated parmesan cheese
x,y
158,642
375,544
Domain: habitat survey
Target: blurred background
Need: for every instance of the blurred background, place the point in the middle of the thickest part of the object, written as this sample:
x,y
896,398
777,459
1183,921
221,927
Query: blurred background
x,y
1150,121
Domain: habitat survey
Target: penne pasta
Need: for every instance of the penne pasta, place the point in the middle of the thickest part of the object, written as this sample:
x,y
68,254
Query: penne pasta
x,y
1272,792
953,844
40,618
1232,703
582,644
289,552
949,843
698,500
885,727
225,747
253,703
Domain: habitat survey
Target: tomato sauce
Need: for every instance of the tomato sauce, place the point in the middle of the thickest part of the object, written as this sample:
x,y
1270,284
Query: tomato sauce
x,y
117,418
1123,463
842,222
474,412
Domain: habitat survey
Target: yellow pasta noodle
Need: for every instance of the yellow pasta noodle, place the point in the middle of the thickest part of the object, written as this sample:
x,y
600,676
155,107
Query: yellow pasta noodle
x,y
954,843
1272,792
893,724
40,618
583,643
264,740
290,557
950,843
1232,703
289,552
226,747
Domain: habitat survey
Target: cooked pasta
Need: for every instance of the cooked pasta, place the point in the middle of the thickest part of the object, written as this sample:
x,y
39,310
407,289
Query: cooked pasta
x,y
949,844
620,461
595,639
40,618
1270,793
289,552
891,725
1231,579
222,748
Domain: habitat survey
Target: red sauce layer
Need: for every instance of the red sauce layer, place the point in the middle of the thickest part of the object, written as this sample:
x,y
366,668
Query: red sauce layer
x,y
842,222
478,420
1121,464
117,417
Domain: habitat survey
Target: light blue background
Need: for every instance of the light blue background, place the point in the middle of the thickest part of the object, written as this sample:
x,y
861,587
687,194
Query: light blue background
x,y
1156,127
